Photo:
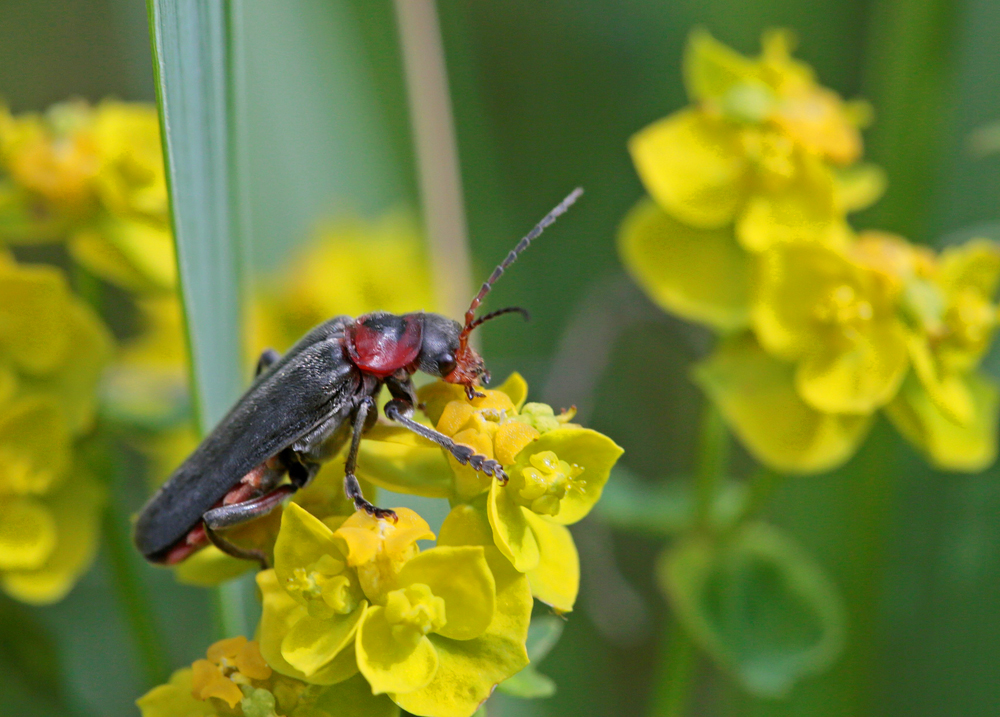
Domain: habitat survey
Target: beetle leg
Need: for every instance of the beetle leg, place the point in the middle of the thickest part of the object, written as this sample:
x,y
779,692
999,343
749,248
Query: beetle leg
x,y
398,411
352,489
267,357
227,516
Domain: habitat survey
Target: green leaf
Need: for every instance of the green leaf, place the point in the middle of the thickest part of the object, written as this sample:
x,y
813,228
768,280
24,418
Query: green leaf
x,y
196,89
543,634
196,85
758,605
664,508
528,684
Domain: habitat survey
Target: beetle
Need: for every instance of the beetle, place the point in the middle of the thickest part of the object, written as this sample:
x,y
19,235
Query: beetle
x,y
303,407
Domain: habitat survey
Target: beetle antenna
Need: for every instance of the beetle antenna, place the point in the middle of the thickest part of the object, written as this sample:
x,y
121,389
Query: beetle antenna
x,y
470,315
500,312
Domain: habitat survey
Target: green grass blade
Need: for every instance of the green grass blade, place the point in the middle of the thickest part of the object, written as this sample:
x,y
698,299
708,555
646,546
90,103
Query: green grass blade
x,y
194,83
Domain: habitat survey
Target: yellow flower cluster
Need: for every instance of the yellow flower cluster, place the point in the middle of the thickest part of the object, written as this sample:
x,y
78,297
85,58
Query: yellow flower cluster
x,y
53,349
746,232
234,680
91,177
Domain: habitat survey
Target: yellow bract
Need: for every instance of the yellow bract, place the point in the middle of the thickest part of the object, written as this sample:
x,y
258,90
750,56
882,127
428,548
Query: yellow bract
x,y
357,594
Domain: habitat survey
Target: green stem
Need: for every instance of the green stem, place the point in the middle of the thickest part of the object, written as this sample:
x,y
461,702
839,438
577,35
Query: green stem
x,y
229,610
713,455
133,596
678,660
675,675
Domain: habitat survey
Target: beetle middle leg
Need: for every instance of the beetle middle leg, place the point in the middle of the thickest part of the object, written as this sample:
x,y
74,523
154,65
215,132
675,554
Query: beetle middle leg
x,y
352,489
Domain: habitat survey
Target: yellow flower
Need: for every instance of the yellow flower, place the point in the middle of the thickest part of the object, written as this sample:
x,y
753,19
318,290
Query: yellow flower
x,y
235,680
557,471
357,594
758,149
837,319
948,411
757,396
53,350
92,176
351,267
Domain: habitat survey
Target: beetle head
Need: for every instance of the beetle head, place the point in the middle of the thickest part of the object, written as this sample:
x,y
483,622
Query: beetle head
x,y
469,369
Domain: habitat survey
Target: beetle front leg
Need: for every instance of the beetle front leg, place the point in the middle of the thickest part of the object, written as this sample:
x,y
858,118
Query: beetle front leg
x,y
399,411
352,489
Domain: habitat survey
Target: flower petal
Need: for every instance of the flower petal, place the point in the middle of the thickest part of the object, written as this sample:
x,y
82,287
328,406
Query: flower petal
x,y
973,265
556,580
302,540
859,380
460,576
77,511
388,664
757,397
34,445
968,448
34,311
712,69
27,534
414,469
511,532
693,166
468,670
174,698
699,274
804,209
279,616
311,644
584,447
435,396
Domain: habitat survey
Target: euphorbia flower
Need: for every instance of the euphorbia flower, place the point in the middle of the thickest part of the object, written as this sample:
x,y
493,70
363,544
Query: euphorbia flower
x,y
837,319
358,594
757,149
235,680
53,349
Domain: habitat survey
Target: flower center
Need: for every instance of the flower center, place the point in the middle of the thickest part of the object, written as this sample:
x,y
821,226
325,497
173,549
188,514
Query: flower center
x,y
326,587
845,309
544,483
413,612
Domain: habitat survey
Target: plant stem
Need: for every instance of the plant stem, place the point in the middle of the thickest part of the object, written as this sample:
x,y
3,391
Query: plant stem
x,y
134,597
437,153
675,673
713,454
678,660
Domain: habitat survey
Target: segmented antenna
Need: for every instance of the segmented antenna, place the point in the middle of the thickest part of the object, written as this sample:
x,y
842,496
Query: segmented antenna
x,y
470,315
500,312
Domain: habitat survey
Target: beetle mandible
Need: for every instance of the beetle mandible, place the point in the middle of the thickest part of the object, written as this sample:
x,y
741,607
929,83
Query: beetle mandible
x,y
303,407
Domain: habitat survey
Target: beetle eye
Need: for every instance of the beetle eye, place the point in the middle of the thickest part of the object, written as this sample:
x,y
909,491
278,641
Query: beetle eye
x,y
446,362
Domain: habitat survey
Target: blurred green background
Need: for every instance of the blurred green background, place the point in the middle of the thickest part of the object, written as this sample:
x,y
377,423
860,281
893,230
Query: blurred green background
x,y
545,97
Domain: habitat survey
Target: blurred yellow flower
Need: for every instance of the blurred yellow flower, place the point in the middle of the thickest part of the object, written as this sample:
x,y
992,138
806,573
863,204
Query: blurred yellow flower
x,y
53,350
350,267
93,177
837,319
758,148
235,680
